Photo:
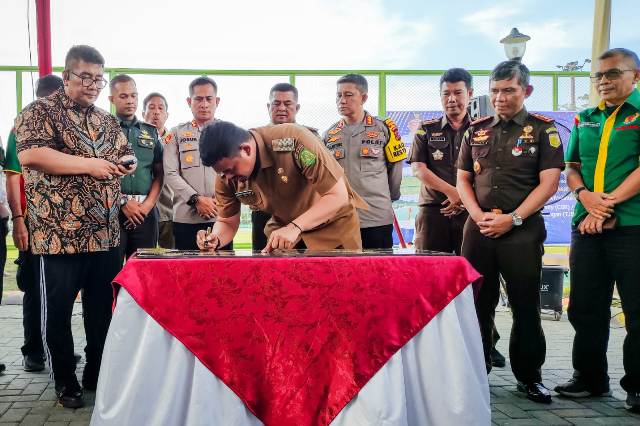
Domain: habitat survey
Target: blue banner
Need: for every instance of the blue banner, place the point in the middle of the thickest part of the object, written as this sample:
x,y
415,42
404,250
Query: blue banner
x,y
557,213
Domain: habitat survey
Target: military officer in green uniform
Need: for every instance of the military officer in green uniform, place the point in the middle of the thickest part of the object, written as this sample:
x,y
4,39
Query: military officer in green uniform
x,y
371,153
141,189
508,167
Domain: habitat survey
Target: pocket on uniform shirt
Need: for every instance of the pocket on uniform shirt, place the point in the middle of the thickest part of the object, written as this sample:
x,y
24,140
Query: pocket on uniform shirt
x,y
371,158
479,151
189,157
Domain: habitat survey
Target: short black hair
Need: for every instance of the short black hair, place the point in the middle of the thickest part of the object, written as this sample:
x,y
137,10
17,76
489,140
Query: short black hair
x,y
625,53
357,79
154,95
201,81
284,87
47,85
454,75
221,139
511,69
84,53
120,78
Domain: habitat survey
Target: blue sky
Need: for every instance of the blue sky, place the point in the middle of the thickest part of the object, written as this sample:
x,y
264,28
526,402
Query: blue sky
x,y
301,34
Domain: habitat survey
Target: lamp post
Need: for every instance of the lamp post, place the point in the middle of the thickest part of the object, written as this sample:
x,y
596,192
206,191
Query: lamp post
x,y
573,67
515,44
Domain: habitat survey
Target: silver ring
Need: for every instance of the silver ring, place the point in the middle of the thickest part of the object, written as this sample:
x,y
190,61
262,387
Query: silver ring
x,y
109,176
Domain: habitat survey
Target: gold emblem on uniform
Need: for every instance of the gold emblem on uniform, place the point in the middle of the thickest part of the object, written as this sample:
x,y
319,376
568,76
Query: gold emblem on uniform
x,y
526,136
339,153
554,140
420,132
283,145
284,179
477,168
188,146
373,134
280,170
480,135
333,131
334,139
437,155
144,134
365,150
189,158
187,134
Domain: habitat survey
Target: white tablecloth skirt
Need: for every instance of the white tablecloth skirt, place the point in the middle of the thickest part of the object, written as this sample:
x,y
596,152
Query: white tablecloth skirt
x,y
148,377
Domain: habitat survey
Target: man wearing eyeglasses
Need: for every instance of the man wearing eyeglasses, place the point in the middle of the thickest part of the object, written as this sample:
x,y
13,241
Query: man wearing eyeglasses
x,y
192,183
603,171
72,156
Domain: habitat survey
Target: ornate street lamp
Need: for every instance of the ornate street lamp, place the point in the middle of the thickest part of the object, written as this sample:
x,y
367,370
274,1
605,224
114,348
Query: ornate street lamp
x,y
515,44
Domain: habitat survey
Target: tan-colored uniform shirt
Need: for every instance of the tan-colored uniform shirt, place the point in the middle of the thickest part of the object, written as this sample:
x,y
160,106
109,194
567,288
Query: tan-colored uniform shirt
x,y
294,171
184,172
71,214
506,158
371,155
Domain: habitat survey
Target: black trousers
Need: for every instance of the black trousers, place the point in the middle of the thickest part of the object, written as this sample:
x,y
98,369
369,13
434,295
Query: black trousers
x,y
28,281
377,237
259,220
516,255
144,235
62,276
435,231
596,262
4,230
186,233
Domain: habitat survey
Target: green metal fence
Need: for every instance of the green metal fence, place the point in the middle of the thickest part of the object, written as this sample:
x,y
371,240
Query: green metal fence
x,y
556,90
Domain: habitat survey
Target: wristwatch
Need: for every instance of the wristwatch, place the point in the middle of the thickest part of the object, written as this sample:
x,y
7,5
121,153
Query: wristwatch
x,y
193,200
577,191
516,219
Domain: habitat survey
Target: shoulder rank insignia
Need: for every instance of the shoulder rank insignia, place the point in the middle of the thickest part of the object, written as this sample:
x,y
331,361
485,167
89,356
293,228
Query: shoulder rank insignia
x,y
168,138
333,131
542,117
283,145
480,120
369,120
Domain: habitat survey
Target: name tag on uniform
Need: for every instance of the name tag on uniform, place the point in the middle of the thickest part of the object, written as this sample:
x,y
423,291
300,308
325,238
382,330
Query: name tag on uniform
x,y
145,142
283,145
437,139
588,124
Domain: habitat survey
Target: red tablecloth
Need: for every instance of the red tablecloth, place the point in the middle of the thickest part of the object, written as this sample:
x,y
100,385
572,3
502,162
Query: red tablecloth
x,y
295,338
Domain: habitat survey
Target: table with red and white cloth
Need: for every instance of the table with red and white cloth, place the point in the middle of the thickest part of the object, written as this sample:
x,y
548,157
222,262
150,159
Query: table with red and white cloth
x,y
302,340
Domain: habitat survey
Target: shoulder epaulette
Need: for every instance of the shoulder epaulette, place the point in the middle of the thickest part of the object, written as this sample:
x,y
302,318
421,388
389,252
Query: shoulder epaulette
x,y
542,117
480,120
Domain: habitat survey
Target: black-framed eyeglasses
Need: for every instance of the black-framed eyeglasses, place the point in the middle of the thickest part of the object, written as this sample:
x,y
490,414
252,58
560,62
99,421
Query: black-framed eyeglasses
x,y
612,74
88,81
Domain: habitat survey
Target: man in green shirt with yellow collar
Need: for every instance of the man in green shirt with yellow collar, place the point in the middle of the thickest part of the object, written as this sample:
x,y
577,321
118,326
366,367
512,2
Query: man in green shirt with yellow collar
x,y
603,171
